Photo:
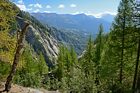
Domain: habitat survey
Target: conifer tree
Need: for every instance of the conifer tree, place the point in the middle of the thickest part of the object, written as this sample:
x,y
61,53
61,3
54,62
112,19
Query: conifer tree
x,y
87,67
42,66
98,51
74,60
65,67
60,64
136,18
138,83
118,46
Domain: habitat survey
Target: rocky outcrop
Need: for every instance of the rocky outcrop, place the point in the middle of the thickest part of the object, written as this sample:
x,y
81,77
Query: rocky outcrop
x,y
42,42
39,38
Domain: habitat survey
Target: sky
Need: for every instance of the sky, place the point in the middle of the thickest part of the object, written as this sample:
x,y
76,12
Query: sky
x,y
89,7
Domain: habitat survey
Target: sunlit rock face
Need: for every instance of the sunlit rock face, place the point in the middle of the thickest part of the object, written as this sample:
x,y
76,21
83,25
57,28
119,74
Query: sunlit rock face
x,y
40,40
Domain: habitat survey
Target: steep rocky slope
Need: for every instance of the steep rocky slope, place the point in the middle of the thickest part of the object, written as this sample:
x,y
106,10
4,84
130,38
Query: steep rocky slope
x,y
39,38
70,38
59,36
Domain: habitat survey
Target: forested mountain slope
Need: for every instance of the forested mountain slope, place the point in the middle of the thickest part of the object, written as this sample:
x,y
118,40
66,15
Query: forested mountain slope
x,y
109,64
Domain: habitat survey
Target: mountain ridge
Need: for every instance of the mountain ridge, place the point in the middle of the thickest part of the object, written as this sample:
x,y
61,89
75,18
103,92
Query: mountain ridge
x,y
81,22
73,29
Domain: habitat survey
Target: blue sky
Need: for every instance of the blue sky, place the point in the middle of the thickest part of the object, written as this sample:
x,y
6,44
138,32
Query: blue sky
x,y
90,7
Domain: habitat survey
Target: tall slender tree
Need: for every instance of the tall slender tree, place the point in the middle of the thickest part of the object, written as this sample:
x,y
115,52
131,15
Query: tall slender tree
x,y
121,23
60,64
20,45
98,51
118,45
138,83
87,67
136,19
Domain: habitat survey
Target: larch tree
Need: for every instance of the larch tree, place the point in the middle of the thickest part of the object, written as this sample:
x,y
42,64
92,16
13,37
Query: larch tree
x,y
97,55
136,19
87,67
8,13
116,55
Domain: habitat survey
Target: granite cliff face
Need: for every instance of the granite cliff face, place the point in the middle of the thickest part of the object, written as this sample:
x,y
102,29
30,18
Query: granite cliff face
x,y
43,43
39,38
46,39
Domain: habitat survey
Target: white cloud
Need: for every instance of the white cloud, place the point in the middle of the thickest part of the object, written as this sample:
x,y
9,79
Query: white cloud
x,y
29,9
37,5
48,6
75,13
73,5
22,7
47,11
30,5
37,10
61,6
20,2
97,15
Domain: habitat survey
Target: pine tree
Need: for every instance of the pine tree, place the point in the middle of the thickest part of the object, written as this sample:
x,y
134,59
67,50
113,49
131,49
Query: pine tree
x,y
138,83
119,45
87,67
42,66
88,56
74,60
97,58
136,18
65,67
60,64
121,23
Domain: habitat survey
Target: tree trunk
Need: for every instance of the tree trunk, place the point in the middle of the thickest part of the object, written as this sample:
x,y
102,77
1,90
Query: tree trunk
x,y
16,57
138,84
136,71
122,53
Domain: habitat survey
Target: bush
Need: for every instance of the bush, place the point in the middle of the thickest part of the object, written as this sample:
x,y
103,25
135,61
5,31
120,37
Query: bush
x,y
27,79
4,70
32,72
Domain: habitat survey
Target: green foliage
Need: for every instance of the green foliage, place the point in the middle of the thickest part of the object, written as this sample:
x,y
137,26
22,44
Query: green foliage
x,y
8,12
97,56
117,57
4,70
32,72
42,66
107,64
27,79
66,71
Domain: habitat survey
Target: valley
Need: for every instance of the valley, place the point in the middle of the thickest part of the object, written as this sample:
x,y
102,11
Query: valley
x,y
67,52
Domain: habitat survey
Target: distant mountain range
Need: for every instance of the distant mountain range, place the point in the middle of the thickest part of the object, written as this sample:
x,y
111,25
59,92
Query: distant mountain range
x,y
78,22
73,30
